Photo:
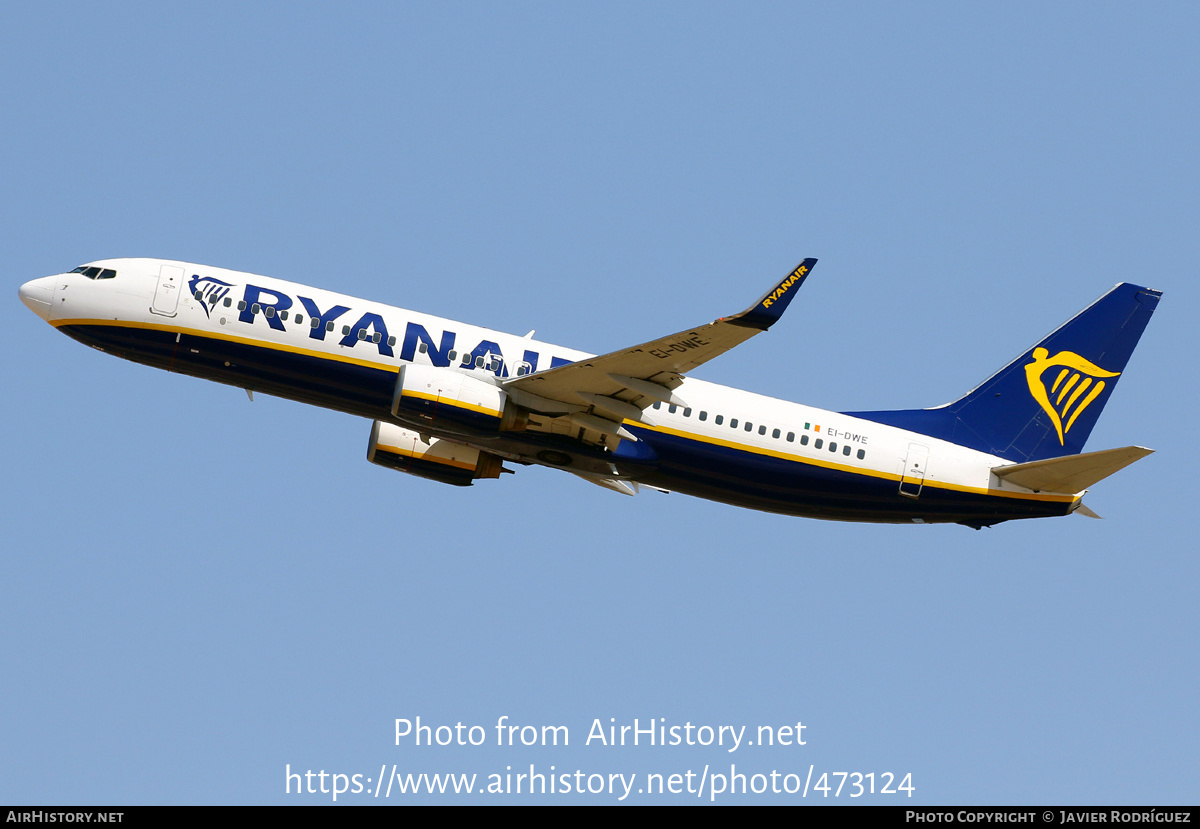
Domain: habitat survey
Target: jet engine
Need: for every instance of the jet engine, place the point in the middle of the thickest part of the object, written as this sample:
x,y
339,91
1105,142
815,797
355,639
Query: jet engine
x,y
449,400
440,460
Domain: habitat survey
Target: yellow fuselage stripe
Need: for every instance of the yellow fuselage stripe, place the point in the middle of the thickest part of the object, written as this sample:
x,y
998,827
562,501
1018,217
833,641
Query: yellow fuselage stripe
x,y
217,335
871,473
324,355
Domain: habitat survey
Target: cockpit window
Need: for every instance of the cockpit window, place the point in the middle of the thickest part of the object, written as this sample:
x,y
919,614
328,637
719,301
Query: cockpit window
x,y
95,273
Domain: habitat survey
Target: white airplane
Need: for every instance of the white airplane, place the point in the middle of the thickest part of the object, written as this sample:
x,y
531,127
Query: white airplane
x,y
452,401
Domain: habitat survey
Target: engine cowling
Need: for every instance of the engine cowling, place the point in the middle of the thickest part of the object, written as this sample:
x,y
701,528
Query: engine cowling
x,y
437,459
445,399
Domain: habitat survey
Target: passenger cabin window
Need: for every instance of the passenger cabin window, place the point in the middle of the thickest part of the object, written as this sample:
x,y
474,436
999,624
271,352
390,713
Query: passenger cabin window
x,y
861,454
775,434
804,440
703,415
423,347
719,419
733,423
791,436
687,412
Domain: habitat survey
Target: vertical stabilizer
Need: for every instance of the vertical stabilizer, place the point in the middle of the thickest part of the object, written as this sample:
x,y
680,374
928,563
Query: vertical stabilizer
x,y
1044,403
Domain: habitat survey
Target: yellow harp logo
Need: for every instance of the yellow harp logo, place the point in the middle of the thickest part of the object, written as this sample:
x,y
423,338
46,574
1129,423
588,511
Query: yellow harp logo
x,y
1072,390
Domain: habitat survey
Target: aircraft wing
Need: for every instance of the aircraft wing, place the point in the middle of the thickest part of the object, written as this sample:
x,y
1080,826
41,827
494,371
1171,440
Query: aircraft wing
x,y
618,385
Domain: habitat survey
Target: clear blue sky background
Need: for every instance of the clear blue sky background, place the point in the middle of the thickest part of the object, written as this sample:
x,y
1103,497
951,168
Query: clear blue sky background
x,y
200,591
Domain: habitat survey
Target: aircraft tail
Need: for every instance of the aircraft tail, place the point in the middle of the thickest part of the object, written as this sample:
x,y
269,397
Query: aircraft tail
x,y
1044,403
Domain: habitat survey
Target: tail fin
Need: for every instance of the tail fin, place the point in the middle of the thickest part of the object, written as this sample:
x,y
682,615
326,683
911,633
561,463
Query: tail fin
x,y
1045,403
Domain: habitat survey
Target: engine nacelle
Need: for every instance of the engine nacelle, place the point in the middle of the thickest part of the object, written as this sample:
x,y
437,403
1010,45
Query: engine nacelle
x,y
441,460
446,399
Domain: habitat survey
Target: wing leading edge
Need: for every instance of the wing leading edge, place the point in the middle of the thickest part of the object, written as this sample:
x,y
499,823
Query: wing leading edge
x,y
617,386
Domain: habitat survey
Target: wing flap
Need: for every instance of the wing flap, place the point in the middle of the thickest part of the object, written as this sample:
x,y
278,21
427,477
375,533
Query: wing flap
x,y
615,484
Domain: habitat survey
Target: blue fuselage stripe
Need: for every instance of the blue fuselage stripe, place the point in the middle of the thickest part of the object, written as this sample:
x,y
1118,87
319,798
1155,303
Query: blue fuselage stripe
x,y
678,463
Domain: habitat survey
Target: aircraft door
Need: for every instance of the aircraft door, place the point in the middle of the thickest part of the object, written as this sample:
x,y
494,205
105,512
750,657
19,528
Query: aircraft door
x,y
58,299
912,478
166,294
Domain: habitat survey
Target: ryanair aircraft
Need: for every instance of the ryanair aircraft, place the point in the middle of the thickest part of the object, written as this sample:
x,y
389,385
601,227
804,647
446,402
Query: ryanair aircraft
x,y
453,402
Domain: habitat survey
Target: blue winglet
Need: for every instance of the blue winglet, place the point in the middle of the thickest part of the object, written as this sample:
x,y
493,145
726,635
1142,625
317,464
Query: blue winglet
x,y
767,311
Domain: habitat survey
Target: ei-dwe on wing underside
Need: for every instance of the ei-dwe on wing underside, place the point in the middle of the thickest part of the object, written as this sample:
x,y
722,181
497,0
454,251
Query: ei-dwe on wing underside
x,y
454,402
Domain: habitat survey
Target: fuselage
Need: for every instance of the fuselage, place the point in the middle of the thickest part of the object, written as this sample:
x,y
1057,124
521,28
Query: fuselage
x,y
313,346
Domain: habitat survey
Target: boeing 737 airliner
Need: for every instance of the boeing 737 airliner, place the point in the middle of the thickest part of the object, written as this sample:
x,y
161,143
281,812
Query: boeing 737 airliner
x,y
453,402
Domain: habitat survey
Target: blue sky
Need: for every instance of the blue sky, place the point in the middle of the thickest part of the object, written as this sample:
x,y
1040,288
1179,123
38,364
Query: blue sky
x,y
202,591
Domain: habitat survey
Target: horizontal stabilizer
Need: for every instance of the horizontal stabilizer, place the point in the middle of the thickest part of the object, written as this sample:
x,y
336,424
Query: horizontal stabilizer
x,y
1071,473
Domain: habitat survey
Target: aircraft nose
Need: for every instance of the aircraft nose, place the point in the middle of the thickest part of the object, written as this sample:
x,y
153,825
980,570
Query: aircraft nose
x,y
37,295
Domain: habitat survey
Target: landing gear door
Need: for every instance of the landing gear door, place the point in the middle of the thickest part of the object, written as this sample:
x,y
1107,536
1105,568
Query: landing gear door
x,y
912,478
166,294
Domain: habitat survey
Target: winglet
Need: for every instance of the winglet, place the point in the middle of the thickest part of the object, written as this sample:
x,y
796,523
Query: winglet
x,y
764,313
